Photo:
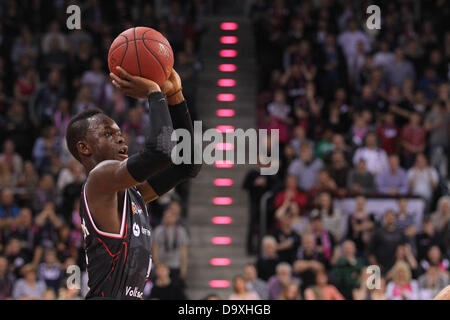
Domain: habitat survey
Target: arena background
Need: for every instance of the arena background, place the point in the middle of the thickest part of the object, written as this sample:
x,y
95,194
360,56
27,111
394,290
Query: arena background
x,y
351,105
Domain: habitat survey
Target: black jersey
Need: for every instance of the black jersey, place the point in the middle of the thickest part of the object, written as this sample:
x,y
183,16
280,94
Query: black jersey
x,y
118,264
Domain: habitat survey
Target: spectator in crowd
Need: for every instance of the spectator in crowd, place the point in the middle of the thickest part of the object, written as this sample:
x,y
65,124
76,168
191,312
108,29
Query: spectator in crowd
x,y
291,194
309,261
325,241
400,70
432,282
406,220
422,179
384,243
287,240
268,260
164,288
11,161
392,181
338,171
280,280
170,244
240,291
254,283
361,225
29,288
332,218
402,286
435,258
291,292
413,137
6,280
347,270
376,291
8,207
359,180
322,290
426,239
388,133
441,217
306,168
50,271
404,254
375,157
291,210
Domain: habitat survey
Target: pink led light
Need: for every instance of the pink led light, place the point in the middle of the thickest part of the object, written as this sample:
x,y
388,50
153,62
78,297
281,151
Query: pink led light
x,y
219,283
224,146
225,113
222,201
229,26
220,262
226,82
228,53
225,97
221,240
227,67
223,182
223,164
225,128
221,220
228,39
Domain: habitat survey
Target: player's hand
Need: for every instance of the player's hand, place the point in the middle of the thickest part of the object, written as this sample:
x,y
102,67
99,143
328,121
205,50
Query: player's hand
x,y
134,86
172,85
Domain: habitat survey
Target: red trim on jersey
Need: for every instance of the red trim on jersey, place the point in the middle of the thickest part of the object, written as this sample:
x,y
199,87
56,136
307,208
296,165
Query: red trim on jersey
x,y
107,249
125,257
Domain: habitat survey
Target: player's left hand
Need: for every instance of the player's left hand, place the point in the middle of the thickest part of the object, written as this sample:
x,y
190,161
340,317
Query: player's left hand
x,y
133,86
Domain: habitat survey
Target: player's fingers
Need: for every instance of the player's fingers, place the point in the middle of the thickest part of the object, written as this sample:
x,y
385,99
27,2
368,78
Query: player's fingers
x,y
115,84
124,74
121,82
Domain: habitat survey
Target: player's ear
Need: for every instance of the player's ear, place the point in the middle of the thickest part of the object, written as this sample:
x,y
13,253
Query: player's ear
x,y
83,148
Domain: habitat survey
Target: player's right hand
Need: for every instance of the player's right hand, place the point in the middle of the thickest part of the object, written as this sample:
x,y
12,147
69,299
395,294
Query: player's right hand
x,y
134,86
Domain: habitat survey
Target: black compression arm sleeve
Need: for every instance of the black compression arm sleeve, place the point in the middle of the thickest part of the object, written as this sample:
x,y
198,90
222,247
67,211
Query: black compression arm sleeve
x,y
158,144
163,181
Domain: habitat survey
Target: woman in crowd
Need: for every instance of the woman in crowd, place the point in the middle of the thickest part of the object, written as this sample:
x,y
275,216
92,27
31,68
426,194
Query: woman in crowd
x,y
322,290
402,286
240,291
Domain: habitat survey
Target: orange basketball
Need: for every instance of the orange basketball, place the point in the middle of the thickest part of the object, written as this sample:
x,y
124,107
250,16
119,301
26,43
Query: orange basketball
x,y
143,52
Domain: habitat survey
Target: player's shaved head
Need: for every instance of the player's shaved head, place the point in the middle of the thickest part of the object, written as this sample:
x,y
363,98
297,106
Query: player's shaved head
x,y
77,128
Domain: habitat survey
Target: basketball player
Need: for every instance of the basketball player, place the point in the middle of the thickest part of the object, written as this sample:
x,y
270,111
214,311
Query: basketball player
x,y
115,221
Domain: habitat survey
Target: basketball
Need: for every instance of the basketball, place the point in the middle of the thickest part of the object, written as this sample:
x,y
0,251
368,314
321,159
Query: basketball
x,y
143,52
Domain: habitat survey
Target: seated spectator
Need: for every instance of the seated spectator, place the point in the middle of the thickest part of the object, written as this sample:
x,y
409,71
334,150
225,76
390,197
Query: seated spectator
x,y
279,111
338,171
422,179
291,194
280,280
402,286
6,279
164,288
170,245
309,261
268,260
361,225
426,239
347,270
254,283
360,180
240,291
404,254
441,217
384,243
413,137
388,133
28,178
405,220
291,292
325,241
364,292
331,215
299,138
11,160
6,178
50,271
306,168
45,192
8,208
375,157
299,222
45,147
287,240
25,230
29,288
324,184
392,181
432,282
322,290
435,258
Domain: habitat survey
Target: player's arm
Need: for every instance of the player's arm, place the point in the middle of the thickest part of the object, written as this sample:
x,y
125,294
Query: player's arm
x,y
444,294
166,179
111,176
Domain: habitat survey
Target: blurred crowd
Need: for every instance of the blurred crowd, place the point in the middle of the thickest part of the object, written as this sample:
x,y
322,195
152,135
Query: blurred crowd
x,y
362,114
48,73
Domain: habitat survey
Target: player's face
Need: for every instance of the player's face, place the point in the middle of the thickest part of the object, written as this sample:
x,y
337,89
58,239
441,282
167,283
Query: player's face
x,y
106,140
